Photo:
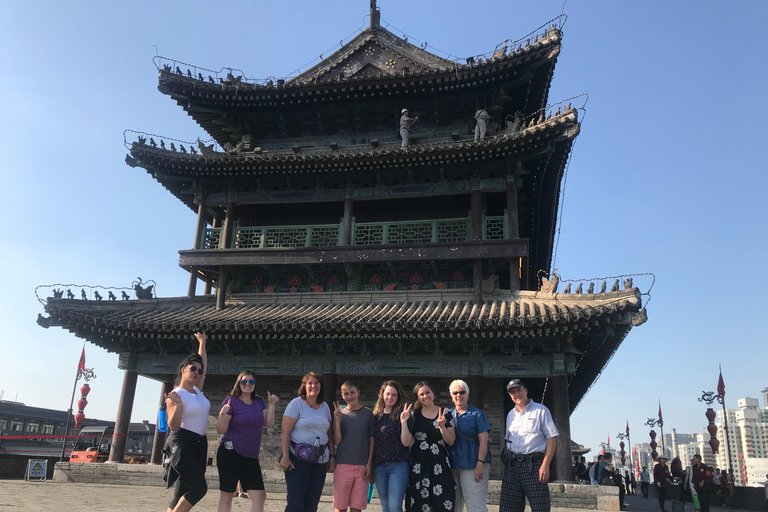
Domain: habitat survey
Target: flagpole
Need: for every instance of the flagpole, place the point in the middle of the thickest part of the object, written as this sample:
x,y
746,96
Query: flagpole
x,y
661,426
721,399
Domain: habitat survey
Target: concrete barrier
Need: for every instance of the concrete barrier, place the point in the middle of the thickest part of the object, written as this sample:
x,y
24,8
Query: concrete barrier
x,y
564,495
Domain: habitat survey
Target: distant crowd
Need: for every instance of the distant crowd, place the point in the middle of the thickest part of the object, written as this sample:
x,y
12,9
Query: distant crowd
x,y
697,483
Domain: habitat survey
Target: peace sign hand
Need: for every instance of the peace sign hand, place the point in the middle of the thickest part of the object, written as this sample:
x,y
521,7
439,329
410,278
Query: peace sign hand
x,y
272,399
336,411
441,418
406,414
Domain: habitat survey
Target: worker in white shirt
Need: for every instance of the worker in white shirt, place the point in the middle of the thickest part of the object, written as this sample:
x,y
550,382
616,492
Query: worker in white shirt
x,y
481,116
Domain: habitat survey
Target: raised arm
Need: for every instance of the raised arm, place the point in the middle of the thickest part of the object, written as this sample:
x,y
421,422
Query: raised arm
x,y
336,424
222,424
269,417
201,339
405,435
173,405
447,431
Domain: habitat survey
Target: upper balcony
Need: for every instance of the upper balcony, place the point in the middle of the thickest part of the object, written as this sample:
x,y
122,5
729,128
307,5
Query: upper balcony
x,y
384,241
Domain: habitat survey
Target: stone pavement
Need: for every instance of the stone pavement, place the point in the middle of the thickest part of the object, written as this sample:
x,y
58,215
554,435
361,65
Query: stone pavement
x,y
21,496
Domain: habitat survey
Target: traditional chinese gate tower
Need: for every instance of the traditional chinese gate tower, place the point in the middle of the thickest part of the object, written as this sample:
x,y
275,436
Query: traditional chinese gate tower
x,y
331,249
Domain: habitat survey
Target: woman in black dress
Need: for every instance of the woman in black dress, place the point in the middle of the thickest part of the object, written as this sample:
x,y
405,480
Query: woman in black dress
x,y
430,485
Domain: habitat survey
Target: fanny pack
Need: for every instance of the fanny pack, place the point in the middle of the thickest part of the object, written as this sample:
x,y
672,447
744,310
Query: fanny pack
x,y
306,452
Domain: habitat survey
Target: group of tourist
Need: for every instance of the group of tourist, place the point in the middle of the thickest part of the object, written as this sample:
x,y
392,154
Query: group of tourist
x,y
432,458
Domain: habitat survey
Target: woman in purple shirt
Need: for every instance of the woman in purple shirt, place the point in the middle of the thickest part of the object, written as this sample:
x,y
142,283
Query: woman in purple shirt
x,y
241,418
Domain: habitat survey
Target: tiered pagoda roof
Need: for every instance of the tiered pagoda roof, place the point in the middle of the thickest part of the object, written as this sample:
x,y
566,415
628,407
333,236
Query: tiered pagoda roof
x,y
597,322
376,64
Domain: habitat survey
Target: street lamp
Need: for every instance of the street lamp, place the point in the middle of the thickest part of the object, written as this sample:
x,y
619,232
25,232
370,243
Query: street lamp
x,y
654,423
82,373
709,397
623,436
605,446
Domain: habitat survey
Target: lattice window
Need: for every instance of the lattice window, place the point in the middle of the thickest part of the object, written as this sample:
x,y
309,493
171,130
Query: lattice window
x,y
324,236
248,238
494,228
285,237
409,233
212,238
369,234
454,230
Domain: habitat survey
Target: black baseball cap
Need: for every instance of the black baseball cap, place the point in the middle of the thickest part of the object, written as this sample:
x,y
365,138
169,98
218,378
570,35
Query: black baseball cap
x,y
516,383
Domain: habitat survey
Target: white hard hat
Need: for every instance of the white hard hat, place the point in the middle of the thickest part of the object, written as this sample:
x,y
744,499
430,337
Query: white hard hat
x,y
404,111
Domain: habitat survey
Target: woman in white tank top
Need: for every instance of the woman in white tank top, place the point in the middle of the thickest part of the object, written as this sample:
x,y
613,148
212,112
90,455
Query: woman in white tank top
x,y
187,446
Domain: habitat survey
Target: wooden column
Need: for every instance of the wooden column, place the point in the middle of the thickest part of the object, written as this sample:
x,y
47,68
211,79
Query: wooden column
x,y
197,244
229,225
208,279
561,467
346,223
123,420
476,200
159,440
476,390
229,228
221,289
513,232
329,388
477,281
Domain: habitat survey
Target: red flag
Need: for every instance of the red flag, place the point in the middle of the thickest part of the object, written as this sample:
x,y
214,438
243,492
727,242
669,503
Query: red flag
x,y
721,386
81,364
609,440
627,427
660,420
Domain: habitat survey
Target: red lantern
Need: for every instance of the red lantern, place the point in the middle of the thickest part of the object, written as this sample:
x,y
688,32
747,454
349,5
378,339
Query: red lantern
x,y
80,416
654,454
712,429
652,433
654,445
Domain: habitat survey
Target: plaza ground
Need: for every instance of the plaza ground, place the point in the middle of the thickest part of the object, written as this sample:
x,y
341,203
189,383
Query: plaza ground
x,y
21,496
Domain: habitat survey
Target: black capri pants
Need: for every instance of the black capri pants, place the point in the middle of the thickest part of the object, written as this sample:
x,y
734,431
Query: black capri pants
x,y
190,467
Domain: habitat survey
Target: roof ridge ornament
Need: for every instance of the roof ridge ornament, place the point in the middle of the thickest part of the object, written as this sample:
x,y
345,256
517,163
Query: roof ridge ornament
x,y
375,15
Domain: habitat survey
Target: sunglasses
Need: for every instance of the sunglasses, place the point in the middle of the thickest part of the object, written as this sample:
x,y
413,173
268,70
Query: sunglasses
x,y
196,369
462,392
245,382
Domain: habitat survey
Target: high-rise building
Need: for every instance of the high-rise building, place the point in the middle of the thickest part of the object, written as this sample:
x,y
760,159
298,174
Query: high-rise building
x,y
747,440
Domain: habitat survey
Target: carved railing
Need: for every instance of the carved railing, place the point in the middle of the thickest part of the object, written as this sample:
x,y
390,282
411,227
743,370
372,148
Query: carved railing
x,y
363,233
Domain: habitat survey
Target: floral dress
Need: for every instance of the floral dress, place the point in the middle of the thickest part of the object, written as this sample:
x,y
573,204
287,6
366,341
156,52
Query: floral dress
x,y
430,484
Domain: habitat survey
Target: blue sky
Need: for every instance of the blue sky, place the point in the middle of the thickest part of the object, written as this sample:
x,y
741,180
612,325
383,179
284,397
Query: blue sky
x,y
667,176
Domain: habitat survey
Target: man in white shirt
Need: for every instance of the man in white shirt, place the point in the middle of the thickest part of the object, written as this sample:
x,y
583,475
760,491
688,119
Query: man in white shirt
x,y
530,442
645,481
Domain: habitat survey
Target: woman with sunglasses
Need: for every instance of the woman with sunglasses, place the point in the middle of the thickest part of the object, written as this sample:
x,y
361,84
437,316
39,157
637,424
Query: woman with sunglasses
x,y
187,446
469,454
242,416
